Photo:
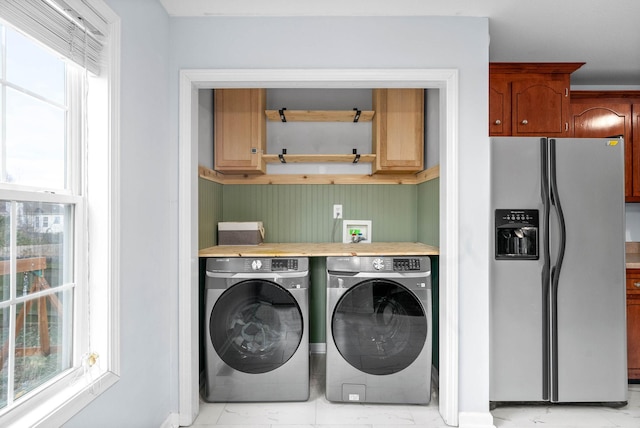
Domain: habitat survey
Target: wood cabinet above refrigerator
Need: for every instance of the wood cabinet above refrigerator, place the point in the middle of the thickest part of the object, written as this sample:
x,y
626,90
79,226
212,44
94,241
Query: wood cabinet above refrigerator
x,y
530,99
610,113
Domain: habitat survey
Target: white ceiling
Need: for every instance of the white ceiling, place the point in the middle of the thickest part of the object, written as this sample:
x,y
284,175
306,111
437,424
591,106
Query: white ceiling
x,y
605,34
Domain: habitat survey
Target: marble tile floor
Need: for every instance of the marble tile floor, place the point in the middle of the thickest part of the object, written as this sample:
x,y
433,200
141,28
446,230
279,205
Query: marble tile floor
x,y
317,412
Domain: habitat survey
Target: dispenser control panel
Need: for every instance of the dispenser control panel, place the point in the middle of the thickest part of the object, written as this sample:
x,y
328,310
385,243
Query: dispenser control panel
x,y
516,234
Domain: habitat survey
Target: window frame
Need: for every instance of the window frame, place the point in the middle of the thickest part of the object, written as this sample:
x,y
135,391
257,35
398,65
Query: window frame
x,y
98,217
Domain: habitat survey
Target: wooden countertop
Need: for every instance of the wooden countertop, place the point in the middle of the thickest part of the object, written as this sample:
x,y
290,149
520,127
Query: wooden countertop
x,y
633,260
633,255
321,249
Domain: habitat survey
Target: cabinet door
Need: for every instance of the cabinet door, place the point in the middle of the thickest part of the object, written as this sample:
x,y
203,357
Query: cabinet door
x,y
597,119
239,130
633,323
398,130
540,108
499,107
634,147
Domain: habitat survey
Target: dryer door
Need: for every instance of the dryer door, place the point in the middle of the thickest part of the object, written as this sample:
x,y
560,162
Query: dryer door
x,y
379,326
256,326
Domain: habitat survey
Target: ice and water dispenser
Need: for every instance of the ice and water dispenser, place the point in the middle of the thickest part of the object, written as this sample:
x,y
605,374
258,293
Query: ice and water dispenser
x,y
516,234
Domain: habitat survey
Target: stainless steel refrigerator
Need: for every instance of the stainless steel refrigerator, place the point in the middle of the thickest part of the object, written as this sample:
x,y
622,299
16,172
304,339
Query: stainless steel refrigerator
x,y
557,271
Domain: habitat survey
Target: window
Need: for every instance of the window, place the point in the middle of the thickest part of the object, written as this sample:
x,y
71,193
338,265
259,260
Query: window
x,y
38,282
58,324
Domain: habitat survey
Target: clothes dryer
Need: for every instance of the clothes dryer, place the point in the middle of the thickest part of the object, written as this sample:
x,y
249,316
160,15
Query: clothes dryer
x,y
379,329
256,329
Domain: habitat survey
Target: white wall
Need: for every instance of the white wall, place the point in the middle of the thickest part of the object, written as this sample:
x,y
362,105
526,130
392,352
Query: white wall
x,y
380,42
147,390
432,128
205,128
319,137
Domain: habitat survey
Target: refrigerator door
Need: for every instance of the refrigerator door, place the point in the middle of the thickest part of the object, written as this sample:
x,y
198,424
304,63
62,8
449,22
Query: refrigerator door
x,y
516,299
589,359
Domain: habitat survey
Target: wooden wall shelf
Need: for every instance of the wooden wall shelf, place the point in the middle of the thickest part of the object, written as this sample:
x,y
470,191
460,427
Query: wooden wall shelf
x,y
421,177
319,115
328,158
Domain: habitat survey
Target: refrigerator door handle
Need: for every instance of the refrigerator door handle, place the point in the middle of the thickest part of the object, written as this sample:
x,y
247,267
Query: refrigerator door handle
x,y
557,268
546,269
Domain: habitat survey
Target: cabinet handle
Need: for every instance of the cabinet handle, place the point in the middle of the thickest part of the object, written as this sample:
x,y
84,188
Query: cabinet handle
x,y
566,126
636,284
497,122
525,122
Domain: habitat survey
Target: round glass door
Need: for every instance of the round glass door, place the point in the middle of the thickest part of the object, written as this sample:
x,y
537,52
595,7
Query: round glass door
x,y
379,327
256,326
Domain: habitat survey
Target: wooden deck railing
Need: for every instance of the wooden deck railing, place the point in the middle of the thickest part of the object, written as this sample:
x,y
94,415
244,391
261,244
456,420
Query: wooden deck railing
x,y
37,265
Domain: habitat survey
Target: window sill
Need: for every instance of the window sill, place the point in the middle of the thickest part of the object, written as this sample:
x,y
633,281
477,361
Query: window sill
x,y
61,405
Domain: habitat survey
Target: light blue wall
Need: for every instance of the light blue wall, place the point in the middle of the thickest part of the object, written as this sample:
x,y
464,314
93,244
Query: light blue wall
x,y
154,49
381,42
147,391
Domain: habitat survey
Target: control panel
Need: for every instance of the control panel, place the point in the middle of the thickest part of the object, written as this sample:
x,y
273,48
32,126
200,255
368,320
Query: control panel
x,y
395,264
406,264
278,265
270,265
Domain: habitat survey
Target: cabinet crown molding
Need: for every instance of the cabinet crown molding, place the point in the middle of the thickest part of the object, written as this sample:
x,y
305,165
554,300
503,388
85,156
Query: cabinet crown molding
x,y
534,67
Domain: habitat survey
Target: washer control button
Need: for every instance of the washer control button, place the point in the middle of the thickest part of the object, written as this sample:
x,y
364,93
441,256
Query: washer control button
x,y
378,264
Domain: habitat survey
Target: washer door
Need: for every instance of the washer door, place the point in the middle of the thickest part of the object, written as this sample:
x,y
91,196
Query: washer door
x,y
379,327
256,326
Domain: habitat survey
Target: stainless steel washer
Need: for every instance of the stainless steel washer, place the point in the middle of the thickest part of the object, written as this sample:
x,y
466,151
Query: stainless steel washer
x,y
257,329
379,329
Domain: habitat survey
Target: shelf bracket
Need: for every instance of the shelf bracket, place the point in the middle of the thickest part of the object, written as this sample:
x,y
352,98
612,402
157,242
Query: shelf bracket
x,y
356,159
356,118
284,152
282,116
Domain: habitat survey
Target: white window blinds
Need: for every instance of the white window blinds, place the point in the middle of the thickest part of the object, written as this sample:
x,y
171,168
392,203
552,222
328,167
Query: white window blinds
x,y
55,24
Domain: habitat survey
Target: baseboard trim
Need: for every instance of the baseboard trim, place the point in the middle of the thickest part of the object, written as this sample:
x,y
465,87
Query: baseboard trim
x,y
172,421
475,420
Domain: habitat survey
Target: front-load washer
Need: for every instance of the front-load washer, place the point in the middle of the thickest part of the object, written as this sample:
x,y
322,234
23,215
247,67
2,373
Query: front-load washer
x,y
256,329
379,329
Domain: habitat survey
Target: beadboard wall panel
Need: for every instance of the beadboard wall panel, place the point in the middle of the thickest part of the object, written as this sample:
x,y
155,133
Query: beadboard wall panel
x,y
429,212
303,213
209,212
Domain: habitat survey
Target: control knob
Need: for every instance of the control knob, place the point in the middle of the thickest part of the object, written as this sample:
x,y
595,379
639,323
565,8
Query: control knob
x,y
378,264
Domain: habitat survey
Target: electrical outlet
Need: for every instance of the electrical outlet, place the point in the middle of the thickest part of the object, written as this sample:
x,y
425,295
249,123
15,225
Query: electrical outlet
x,y
337,211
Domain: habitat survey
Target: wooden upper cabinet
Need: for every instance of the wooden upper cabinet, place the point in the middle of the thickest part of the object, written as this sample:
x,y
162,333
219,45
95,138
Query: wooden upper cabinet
x,y
635,149
600,120
239,130
601,114
499,106
398,130
633,323
530,99
540,107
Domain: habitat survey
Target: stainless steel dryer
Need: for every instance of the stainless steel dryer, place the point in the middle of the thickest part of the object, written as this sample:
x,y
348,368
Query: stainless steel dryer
x,y
256,329
379,329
